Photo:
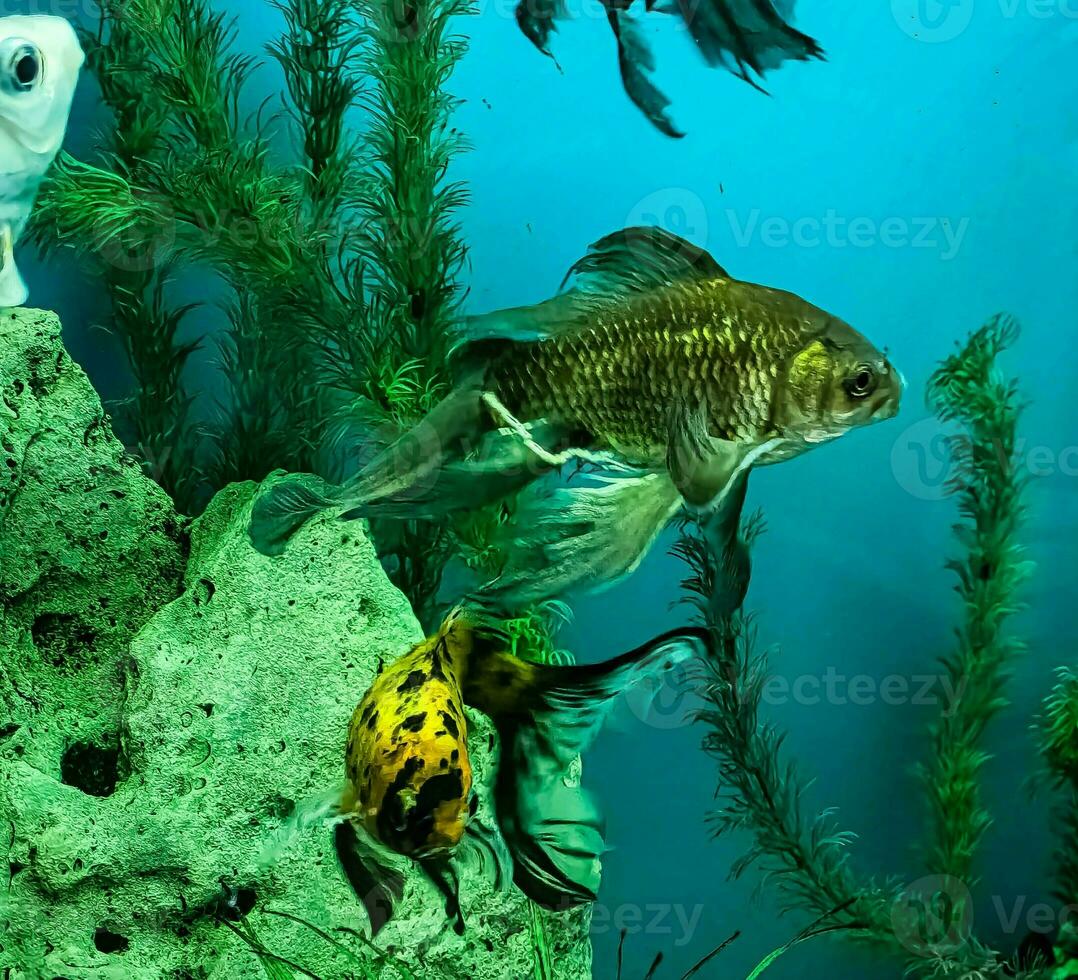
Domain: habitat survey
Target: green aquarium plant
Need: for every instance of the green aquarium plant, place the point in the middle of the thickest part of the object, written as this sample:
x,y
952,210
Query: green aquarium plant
x,y
337,266
805,857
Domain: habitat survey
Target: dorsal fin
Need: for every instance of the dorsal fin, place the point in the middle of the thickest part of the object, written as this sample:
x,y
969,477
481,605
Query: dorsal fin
x,y
635,260
630,261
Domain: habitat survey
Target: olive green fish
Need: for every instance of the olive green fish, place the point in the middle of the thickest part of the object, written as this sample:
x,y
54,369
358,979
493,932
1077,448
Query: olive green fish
x,y
654,365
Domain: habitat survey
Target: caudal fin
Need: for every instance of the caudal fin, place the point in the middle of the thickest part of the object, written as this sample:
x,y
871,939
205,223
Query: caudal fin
x,y
547,715
636,62
284,505
581,536
554,832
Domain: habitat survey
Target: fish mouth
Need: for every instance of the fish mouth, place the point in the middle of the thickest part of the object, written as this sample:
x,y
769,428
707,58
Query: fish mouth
x,y
889,397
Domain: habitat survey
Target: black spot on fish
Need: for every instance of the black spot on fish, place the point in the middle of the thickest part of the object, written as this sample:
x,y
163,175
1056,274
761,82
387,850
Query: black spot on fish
x,y
393,817
372,721
450,724
414,723
443,763
455,755
503,678
436,670
412,682
443,788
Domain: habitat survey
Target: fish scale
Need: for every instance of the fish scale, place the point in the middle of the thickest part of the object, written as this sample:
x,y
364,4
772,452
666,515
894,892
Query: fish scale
x,y
618,377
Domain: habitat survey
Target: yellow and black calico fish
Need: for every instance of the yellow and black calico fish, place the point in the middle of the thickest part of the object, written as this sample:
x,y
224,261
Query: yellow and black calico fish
x,y
410,777
748,37
654,360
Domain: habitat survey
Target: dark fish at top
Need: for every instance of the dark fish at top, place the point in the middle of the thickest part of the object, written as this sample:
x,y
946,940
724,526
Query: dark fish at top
x,y
410,792
654,361
748,37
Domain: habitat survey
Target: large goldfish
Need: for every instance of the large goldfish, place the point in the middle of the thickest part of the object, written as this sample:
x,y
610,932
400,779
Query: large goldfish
x,y
657,361
409,789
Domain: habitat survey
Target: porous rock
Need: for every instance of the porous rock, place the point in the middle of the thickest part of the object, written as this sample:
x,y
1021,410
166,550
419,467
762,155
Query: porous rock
x,y
170,702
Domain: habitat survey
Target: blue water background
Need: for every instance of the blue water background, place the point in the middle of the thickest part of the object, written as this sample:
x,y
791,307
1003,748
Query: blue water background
x,y
907,132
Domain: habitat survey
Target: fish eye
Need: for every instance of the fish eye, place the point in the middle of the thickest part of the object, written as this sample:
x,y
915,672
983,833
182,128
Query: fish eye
x,y
862,383
20,66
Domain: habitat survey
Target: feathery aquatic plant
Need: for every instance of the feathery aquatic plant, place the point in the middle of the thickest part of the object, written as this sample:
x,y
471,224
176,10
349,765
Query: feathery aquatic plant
x,y
186,184
988,483
1057,731
339,267
805,858
411,244
759,792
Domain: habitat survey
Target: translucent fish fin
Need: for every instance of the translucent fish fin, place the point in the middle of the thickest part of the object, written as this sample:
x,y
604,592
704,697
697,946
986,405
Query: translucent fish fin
x,y
748,37
547,715
565,706
590,536
444,877
284,504
636,260
523,324
483,853
554,832
636,61
633,260
378,886
703,468
789,40
411,462
503,465
13,291
315,811
537,19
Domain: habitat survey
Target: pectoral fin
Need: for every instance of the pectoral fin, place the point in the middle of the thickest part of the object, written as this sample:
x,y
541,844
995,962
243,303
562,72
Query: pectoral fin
x,y
703,467
378,886
13,290
577,536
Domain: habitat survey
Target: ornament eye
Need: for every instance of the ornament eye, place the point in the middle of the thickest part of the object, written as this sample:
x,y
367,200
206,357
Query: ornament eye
x,y
20,66
862,383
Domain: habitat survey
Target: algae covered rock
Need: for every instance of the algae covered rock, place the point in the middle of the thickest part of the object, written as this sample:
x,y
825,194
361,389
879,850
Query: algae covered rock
x,y
169,699
89,548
